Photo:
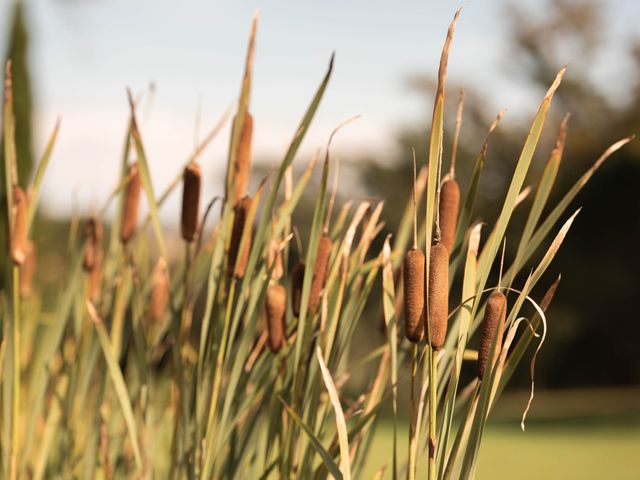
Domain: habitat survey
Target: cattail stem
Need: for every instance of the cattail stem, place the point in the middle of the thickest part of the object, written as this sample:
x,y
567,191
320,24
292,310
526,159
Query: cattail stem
x,y
217,379
433,398
15,407
413,411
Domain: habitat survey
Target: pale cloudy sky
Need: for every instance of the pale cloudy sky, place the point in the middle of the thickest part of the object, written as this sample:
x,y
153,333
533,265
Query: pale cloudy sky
x,y
84,53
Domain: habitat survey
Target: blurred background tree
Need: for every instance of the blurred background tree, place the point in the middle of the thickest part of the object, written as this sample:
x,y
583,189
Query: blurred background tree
x,y
593,320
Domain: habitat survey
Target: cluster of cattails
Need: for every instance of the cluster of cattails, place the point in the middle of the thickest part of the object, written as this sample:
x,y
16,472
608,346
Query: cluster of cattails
x,y
93,255
131,203
191,183
492,330
238,258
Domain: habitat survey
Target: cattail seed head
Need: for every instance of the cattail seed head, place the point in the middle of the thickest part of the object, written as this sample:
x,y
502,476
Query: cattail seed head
x,y
19,241
438,294
159,290
495,315
449,206
28,271
95,282
92,233
319,272
191,181
297,279
131,204
413,274
276,305
238,259
242,167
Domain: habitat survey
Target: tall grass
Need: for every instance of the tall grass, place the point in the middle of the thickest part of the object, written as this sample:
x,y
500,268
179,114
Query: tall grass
x,y
231,360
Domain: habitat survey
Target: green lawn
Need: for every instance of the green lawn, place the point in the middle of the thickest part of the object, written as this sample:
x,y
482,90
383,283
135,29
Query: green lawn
x,y
599,445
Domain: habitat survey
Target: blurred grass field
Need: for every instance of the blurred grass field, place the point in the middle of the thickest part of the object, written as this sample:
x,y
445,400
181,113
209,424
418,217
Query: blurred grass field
x,y
591,434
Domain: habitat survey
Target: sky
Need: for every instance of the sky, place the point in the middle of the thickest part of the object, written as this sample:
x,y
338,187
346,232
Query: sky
x,y
86,52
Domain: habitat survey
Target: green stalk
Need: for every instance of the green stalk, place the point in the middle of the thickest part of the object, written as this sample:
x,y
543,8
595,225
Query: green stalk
x,y
413,440
15,407
433,389
217,380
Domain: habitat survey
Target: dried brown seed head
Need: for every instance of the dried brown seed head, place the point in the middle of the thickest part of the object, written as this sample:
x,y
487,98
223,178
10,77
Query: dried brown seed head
x,y
95,283
19,241
449,206
131,204
438,294
238,259
159,290
191,182
297,278
413,274
276,304
92,233
319,272
242,167
495,315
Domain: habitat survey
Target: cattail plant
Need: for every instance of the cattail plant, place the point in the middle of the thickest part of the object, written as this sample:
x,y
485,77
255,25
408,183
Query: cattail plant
x,y
191,181
449,206
92,232
203,399
131,204
242,165
449,202
159,290
438,295
413,277
238,259
297,279
19,240
276,305
93,256
492,331
319,271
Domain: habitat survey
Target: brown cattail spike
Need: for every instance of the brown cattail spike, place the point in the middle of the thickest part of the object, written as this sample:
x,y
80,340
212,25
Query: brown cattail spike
x,y
413,274
159,291
27,271
495,315
276,306
319,272
238,259
449,206
242,167
438,294
19,241
297,278
95,280
92,233
191,181
131,203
